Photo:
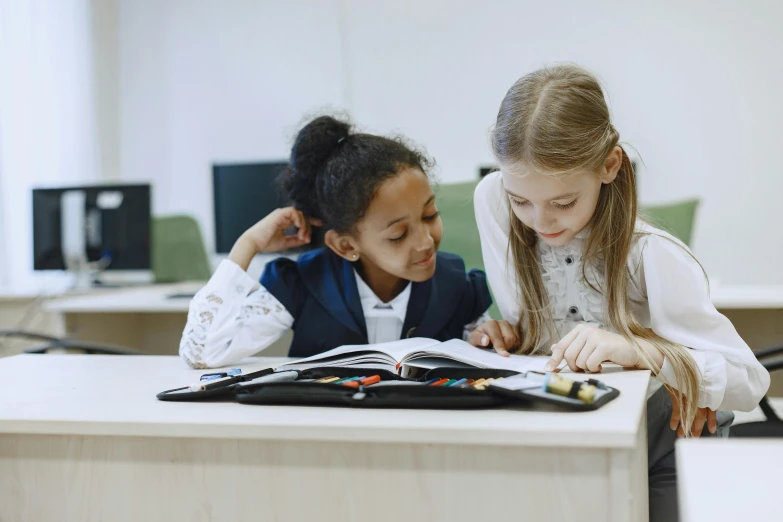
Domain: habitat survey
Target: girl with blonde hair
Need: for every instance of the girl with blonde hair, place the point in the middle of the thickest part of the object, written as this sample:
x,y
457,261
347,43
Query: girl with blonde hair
x,y
585,279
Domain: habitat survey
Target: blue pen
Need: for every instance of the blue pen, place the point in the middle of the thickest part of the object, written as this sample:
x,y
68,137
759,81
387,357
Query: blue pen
x,y
457,383
233,372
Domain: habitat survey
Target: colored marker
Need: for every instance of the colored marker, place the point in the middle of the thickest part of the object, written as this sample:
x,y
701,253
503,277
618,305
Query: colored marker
x,y
364,382
349,379
327,380
457,383
439,382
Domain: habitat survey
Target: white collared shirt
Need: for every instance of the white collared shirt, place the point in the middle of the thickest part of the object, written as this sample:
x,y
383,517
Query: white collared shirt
x,y
384,320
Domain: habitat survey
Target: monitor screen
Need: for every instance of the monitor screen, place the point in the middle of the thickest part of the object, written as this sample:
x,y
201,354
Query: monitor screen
x,y
117,226
243,195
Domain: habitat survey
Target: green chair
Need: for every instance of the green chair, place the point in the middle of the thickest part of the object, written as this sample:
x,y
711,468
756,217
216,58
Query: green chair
x,y
178,251
675,218
460,233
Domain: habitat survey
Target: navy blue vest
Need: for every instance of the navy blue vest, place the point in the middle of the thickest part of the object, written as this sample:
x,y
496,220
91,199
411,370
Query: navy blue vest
x,y
319,291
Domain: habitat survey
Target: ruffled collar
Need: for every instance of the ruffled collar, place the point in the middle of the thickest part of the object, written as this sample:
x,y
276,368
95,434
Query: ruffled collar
x,y
561,271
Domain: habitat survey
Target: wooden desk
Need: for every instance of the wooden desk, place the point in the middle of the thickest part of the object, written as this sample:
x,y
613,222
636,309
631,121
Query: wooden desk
x,y
747,297
757,313
90,441
146,318
730,479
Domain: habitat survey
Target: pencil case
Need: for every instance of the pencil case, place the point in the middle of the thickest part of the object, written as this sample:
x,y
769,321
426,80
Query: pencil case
x,y
391,391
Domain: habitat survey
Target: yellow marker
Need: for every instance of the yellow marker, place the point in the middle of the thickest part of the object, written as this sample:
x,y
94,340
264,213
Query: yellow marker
x,y
478,382
327,380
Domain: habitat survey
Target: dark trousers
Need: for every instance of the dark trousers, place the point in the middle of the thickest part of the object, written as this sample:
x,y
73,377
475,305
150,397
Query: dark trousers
x,y
662,469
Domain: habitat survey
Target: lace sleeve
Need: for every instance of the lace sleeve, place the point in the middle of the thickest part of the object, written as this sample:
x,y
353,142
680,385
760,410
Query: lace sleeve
x,y
231,318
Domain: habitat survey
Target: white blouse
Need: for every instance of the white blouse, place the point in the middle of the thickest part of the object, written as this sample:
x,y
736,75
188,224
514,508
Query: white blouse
x,y
234,317
668,294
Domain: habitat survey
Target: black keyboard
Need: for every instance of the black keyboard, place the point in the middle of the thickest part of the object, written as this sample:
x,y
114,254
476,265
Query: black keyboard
x,y
181,296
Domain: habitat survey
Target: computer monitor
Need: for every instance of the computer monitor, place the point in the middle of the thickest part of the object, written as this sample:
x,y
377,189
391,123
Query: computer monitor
x,y
243,195
111,223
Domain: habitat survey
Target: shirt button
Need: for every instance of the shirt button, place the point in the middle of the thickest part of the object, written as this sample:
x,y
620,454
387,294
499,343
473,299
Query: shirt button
x,y
570,260
573,310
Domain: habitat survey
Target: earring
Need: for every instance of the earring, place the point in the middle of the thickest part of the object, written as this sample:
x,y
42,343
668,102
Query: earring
x,y
355,257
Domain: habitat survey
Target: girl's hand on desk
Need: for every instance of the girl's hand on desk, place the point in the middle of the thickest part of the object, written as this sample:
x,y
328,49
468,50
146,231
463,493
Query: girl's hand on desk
x,y
703,416
586,347
500,334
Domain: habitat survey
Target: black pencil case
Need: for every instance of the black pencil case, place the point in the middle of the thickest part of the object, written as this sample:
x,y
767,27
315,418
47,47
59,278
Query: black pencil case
x,y
392,391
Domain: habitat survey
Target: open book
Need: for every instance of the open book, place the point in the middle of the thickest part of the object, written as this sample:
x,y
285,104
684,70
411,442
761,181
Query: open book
x,y
409,356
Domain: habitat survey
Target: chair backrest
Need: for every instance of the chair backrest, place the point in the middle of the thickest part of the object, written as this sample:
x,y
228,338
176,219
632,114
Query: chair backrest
x,y
460,233
178,251
675,218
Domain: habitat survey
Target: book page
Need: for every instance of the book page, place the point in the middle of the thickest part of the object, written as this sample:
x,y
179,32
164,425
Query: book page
x,y
479,357
385,354
398,350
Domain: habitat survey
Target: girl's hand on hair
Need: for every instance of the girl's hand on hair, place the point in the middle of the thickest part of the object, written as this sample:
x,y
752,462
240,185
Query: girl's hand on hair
x,y
586,347
500,335
268,235
703,416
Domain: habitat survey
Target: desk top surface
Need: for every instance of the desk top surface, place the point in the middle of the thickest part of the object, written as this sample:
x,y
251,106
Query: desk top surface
x,y
741,297
115,395
144,299
158,299
729,479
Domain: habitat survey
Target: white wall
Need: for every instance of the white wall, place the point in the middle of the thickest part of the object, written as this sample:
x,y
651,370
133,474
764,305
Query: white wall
x,y
105,26
213,81
47,116
693,88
